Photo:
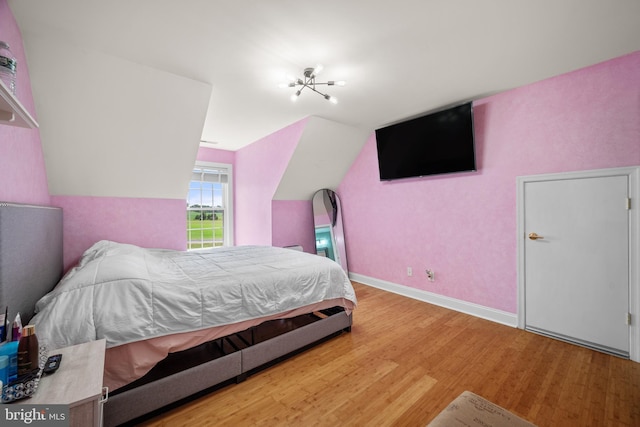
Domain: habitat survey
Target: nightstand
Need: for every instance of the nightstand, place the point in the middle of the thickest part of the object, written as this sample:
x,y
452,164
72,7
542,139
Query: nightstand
x,y
77,383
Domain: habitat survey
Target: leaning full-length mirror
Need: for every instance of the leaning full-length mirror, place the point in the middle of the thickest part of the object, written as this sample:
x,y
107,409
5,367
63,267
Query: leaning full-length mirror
x,y
329,232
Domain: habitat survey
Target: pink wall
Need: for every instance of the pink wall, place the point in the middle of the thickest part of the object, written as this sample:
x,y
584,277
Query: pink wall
x,y
23,177
464,226
150,223
215,155
292,224
259,169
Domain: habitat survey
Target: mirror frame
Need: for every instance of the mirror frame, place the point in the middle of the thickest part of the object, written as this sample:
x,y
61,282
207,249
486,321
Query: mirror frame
x,y
327,212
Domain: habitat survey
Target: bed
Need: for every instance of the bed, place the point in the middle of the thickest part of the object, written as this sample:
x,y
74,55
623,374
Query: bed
x,y
177,323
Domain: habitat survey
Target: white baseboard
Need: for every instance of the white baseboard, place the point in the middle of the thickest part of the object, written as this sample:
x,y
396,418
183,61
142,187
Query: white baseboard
x,y
492,314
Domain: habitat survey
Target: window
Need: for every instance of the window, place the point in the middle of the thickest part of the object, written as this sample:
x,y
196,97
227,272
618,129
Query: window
x,y
209,212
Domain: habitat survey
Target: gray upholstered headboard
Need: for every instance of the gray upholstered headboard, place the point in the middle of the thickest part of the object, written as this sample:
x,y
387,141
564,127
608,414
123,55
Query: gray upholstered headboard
x,y
30,256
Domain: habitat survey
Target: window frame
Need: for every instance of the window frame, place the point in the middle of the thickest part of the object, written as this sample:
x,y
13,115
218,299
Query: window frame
x,y
228,229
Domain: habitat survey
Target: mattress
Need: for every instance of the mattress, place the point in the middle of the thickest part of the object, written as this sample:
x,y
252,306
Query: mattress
x,y
150,302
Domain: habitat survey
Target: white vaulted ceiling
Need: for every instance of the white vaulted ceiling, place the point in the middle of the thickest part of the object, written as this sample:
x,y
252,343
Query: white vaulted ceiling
x,y
399,58
125,90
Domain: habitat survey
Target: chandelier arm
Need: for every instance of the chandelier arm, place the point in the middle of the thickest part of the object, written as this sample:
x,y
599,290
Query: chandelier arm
x,y
310,83
317,91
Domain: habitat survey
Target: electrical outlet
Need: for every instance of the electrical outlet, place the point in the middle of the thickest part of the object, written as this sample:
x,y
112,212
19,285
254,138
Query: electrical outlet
x,y
431,275
409,271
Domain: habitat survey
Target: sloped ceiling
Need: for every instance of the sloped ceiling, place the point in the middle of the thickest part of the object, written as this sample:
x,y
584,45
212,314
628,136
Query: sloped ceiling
x,y
125,90
322,157
399,58
111,127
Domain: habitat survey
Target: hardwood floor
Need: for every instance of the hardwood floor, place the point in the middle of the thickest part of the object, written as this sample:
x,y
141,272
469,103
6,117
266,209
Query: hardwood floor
x,y
405,360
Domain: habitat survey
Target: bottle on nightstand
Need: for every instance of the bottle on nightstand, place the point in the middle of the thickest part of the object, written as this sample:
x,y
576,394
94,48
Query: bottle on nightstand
x,y
4,371
28,353
10,350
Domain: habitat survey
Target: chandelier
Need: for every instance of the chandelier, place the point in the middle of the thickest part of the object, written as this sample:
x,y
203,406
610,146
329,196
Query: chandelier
x,y
310,82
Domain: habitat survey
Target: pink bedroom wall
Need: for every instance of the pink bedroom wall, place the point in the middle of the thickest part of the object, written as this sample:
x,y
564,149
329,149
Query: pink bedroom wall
x,y
146,222
215,155
292,224
463,226
259,169
23,177
150,223
291,220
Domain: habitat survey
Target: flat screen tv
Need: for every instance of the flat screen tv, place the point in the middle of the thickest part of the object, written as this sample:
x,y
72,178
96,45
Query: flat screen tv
x,y
433,144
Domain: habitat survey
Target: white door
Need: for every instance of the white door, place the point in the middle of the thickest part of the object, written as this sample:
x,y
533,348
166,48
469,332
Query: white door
x,y
576,272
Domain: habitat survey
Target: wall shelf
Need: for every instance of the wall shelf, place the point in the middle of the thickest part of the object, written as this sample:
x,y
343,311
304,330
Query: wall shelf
x,y
12,112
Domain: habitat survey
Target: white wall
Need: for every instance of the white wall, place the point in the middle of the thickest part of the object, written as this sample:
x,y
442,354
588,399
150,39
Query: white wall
x,y
111,127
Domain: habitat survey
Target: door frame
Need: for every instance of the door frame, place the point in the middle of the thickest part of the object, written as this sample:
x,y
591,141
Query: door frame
x,y
633,176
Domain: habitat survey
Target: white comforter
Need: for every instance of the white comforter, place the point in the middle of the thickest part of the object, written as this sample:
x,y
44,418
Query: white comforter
x,y
125,293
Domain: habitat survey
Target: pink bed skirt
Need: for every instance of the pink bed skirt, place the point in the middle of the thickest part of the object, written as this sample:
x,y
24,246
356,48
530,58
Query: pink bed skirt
x,y
126,363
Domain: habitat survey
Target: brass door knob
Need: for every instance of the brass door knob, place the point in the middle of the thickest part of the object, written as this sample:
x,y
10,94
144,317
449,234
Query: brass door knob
x,y
534,236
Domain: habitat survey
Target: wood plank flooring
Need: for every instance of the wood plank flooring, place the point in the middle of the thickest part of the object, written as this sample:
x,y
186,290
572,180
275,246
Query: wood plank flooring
x,y
405,360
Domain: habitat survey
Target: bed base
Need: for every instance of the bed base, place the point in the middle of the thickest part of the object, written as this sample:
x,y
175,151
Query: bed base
x,y
222,361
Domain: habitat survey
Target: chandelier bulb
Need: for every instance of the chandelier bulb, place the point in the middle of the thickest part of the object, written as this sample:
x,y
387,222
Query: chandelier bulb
x,y
331,99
